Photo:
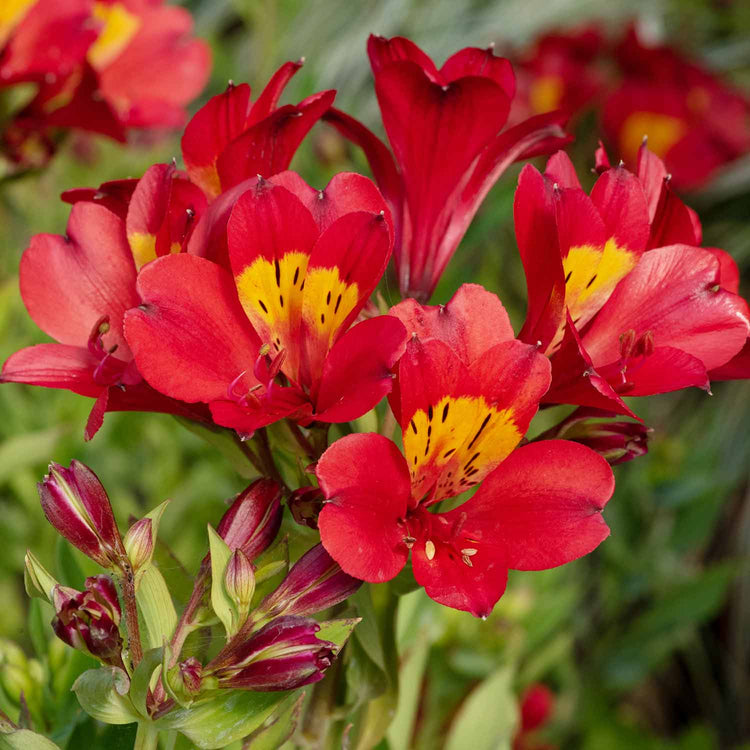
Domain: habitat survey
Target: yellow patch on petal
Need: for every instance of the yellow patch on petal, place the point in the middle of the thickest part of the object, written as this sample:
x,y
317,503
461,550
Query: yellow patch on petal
x,y
11,14
663,132
143,247
328,302
456,443
545,94
207,177
120,26
271,295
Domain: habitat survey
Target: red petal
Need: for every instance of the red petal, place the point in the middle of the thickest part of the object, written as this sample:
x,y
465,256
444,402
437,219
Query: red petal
x,y
619,197
670,293
537,237
543,505
382,52
473,321
268,146
357,372
448,579
269,97
738,368
53,366
190,336
472,61
114,195
96,415
366,481
212,128
560,169
68,284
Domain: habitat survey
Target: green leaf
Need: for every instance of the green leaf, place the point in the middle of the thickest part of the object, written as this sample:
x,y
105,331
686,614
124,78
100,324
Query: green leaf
x,y
410,682
229,717
23,739
277,728
487,719
141,680
38,624
27,450
102,694
221,602
337,631
367,633
156,608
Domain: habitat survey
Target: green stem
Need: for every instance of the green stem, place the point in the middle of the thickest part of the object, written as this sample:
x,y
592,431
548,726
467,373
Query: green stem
x,y
147,736
127,581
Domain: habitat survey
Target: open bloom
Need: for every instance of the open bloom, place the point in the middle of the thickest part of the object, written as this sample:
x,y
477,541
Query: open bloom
x,y
104,67
616,315
537,507
445,130
77,288
560,71
693,120
276,340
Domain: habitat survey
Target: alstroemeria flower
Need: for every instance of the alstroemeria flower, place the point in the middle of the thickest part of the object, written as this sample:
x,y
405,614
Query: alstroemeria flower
x,y
231,139
77,289
276,340
559,71
616,315
537,507
694,121
99,66
445,130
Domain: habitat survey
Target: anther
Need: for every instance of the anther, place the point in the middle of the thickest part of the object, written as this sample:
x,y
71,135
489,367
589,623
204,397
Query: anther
x,y
467,561
409,541
321,195
469,552
429,549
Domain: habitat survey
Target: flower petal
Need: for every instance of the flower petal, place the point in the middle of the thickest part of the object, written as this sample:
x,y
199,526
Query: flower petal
x,y
366,481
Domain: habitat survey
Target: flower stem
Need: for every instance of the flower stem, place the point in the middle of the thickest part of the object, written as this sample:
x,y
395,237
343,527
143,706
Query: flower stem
x,y
127,581
147,736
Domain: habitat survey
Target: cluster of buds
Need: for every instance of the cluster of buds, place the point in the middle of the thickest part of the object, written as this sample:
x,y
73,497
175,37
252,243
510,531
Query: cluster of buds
x,y
89,620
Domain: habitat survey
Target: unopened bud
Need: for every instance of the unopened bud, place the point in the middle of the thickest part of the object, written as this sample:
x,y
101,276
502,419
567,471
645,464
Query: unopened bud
x,y
89,620
186,678
612,436
254,518
537,703
77,505
314,583
239,581
139,543
305,505
37,580
283,655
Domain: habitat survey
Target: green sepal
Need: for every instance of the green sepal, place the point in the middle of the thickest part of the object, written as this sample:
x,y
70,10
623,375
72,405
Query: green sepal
x,y
221,602
22,739
103,694
155,516
37,580
156,608
230,716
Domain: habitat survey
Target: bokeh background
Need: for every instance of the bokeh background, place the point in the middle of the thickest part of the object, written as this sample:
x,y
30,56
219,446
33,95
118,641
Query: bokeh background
x,y
646,642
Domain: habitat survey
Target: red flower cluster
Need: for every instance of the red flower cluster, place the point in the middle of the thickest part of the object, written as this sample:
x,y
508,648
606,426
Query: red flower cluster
x,y
104,66
694,121
237,295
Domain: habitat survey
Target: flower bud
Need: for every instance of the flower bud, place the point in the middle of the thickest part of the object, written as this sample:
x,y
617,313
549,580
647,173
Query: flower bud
x,y
239,581
37,579
537,704
139,543
305,505
283,655
89,620
314,583
186,678
254,518
617,440
77,505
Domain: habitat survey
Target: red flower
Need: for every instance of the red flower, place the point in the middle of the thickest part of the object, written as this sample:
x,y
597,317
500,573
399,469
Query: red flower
x,y
100,66
304,263
231,139
77,289
693,120
444,127
617,316
537,507
560,72
537,704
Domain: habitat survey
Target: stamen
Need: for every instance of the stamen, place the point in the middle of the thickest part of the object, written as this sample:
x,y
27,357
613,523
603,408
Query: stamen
x,y
429,549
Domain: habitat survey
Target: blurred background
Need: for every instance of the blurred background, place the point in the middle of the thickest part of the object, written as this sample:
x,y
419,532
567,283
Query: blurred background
x,y
644,643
